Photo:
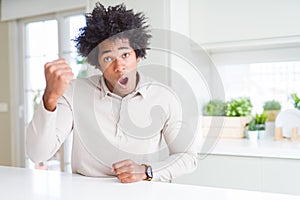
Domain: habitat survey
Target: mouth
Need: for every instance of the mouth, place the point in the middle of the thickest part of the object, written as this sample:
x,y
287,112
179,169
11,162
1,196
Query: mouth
x,y
123,81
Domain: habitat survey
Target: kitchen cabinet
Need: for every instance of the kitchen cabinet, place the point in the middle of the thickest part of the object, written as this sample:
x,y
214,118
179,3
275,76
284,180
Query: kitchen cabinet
x,y
268,166
281,175
229,21
225,171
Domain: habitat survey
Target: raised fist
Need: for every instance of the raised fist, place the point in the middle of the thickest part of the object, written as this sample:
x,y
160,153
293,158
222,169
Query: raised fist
x,y
58,75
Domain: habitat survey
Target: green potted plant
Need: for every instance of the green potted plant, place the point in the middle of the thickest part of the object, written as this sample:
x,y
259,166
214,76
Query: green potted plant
x,y
296,100
252,132
260,120
271,109
212,110
234,116
215,108
240,107
239,110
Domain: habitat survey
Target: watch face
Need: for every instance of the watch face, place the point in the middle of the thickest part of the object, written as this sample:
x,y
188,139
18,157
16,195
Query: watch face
x,y
149,172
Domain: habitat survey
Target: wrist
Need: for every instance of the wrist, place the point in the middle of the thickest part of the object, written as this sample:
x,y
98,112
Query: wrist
x,y
49,102
144,174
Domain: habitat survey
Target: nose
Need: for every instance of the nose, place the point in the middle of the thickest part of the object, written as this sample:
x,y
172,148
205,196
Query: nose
x,y
119,65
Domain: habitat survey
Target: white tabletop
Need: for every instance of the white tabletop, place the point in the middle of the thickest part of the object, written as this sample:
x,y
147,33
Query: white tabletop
x,y
23,184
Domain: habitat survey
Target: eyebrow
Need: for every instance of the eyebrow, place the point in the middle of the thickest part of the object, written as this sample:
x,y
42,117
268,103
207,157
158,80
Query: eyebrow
x,y
108,51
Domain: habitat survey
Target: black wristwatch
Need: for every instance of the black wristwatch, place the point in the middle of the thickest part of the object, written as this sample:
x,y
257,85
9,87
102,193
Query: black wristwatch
x,y
148,172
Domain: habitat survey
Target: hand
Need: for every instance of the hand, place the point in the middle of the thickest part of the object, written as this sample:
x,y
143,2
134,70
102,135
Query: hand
x,y
58,75
128,171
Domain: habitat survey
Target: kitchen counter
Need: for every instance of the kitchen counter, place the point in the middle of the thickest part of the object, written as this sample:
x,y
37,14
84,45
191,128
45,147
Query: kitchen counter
x,y
267,147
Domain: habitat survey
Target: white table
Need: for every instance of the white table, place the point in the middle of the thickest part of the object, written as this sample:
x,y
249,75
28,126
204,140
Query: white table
x,y
23,184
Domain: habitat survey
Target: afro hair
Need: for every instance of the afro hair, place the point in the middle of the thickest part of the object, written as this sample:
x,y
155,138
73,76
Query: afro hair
x,y
112,23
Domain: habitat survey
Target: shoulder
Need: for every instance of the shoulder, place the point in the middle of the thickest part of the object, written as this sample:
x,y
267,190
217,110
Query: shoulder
x,y
161,94
81,85
158,89
92,81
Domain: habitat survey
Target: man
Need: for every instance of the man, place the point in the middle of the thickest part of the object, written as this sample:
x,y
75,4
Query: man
x,y
120,120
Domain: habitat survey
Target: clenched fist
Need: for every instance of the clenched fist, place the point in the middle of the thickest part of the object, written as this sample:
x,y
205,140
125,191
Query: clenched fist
x,y
128,171
58,75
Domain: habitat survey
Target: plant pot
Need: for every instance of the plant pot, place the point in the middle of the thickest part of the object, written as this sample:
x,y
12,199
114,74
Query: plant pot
x,y
252,135
261,134
246,134
272,114
225,127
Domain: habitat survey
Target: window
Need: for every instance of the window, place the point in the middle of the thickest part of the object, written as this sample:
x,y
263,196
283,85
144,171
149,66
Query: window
x,y
262,82
45,40
41,45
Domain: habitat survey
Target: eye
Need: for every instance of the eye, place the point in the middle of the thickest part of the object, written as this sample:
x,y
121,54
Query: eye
x,y
107,59
126,55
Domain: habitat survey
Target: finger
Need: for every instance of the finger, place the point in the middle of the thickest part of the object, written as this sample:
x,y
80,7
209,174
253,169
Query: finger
x,y
127,180
60,61
124,175
121,164
130,179
58,70
67,77
62,71
60,75
126,168
51,69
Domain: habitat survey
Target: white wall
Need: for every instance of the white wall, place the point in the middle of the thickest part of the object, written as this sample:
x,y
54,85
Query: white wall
x,y
195,71
5,129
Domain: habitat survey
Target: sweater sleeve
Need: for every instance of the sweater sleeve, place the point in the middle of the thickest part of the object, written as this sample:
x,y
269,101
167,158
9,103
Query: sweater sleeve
x,y
48,130
181,140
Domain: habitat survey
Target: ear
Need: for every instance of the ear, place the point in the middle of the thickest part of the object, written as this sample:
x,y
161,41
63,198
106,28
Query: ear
x,y
98,67
138,59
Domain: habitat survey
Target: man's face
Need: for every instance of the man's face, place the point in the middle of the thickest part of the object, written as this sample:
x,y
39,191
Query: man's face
x,y
118,63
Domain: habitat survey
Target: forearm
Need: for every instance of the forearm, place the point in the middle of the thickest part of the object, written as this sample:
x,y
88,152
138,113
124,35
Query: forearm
x,y
174,166
47,131
182,146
